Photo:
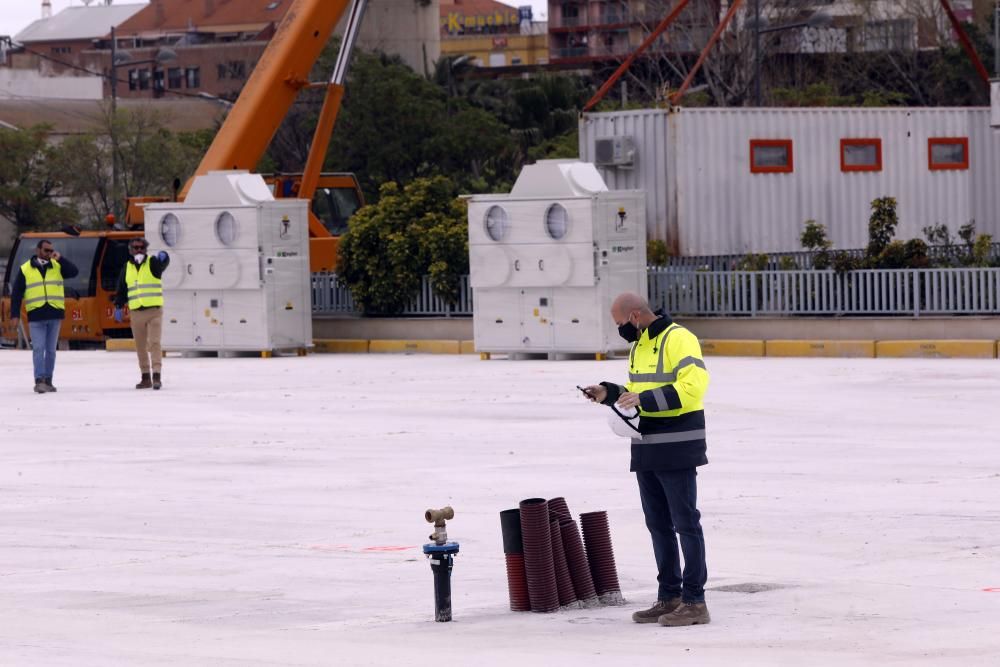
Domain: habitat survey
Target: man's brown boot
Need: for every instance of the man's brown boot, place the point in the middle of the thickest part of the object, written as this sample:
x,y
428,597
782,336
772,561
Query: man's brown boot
x,y
145,382
653,614
156,381
687,613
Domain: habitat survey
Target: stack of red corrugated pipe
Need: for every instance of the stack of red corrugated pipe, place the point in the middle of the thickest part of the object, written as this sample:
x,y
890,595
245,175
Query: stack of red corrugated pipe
x,y
549,567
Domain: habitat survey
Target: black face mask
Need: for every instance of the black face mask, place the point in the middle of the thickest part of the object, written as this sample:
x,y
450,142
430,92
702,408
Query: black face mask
x,y
629,332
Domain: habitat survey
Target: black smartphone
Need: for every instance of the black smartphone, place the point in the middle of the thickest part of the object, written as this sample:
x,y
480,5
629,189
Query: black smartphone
x,y
585,392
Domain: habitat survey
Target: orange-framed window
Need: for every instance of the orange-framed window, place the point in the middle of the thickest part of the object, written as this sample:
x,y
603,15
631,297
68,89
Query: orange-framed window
x,y
947,153
771,156
861,154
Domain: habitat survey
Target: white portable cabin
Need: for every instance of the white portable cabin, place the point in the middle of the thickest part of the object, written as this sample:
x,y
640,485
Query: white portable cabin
x,y
239,276
740,180
546,260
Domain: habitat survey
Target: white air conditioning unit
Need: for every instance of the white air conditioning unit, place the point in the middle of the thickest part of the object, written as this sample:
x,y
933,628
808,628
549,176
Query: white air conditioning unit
x,y
614,152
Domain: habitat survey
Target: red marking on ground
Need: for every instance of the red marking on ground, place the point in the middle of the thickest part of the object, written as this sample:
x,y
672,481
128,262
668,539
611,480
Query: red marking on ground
x,y
994,589
387,548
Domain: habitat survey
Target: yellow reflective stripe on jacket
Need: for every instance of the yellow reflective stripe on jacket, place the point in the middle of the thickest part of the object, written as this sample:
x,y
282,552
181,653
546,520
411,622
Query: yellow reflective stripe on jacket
x,y
671,360
42,289
144,289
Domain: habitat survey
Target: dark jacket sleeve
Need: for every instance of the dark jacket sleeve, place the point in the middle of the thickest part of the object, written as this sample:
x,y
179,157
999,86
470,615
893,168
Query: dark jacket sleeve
x,y
614,391
121,290
69,269
17,293
157,267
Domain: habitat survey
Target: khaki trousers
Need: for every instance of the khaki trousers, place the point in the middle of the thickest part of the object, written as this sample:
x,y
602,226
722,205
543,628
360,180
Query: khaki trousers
x,y
147,326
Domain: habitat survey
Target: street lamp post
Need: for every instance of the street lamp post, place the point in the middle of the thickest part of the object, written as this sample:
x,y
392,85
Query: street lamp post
x,y
756,51
115,189
121,58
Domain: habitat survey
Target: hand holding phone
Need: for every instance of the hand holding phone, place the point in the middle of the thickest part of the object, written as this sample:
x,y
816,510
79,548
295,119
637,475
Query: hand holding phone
x,y
596,393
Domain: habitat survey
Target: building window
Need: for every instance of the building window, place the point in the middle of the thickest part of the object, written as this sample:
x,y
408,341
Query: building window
x,y
133,79
144,78
158,80
193,77
861,155
237,70
175,77
947,153
221,70
771,156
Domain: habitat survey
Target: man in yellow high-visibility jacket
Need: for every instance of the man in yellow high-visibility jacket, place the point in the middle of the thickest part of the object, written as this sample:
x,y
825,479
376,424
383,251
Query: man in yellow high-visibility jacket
x,y
140,286
667,380
39,286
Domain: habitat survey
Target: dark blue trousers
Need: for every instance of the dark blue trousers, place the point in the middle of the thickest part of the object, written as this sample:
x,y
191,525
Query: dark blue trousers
x,y
669,501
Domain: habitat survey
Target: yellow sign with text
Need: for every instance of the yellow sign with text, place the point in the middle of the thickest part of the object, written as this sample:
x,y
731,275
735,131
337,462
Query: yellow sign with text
x,y
457,22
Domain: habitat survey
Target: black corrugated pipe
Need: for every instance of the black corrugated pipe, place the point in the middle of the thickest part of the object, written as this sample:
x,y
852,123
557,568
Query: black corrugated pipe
x,y
558,509
564,583
513,549
539,569
579,568
597,539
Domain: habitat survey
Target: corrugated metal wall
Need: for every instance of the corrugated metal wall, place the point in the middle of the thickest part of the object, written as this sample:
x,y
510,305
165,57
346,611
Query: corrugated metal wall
x,y
710,203
649,128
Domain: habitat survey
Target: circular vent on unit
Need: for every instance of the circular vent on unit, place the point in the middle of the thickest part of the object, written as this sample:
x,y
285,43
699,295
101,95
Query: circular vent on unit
x,y
170,229
497,223
556,221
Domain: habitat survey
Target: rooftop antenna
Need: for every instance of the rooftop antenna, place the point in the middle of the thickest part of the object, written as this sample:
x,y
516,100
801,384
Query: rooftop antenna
x,y
46,9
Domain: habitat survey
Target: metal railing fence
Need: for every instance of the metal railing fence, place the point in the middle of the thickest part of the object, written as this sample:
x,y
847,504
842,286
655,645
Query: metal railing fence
x,y
885,292
329,297
867,292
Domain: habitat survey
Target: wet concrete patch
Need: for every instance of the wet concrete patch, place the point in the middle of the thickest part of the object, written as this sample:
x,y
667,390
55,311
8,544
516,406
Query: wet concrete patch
x,y
750,587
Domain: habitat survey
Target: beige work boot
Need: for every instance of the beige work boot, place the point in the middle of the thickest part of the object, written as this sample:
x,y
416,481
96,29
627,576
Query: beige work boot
x,y
687,613
659,609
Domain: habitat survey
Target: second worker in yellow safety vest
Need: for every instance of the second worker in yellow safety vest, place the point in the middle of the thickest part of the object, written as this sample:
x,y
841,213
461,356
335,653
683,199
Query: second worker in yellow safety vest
x,y
667,380
140,287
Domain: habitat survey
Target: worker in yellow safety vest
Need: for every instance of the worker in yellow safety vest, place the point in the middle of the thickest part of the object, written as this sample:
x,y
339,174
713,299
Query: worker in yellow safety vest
x,y
140,287
667,380
39,286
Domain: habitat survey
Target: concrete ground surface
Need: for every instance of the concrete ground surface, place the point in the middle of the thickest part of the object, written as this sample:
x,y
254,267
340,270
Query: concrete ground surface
x,y
270,512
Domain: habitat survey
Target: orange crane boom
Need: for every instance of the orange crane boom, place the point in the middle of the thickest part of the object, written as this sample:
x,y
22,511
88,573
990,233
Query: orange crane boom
x,y
281,73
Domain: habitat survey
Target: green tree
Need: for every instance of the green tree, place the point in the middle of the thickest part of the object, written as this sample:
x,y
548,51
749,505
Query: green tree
x,y
31,180
881,227
411,232
150,157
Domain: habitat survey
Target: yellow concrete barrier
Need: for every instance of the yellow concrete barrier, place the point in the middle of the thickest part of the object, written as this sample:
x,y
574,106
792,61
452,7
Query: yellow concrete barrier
x,y
820,348
119,345
467,347
414,346
937,349
733,348
347,345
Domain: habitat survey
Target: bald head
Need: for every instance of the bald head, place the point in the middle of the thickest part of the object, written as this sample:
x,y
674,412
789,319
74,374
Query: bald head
x,y
628,305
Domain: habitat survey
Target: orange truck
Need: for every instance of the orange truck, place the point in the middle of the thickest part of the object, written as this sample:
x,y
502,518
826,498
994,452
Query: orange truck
x,y
281,73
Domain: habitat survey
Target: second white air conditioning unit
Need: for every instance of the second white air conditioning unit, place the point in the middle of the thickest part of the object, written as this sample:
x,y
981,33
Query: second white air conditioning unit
x,y
614,152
